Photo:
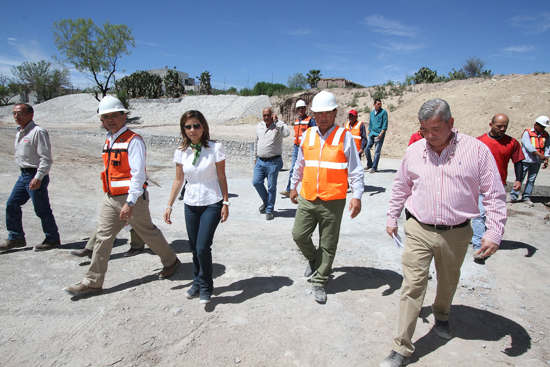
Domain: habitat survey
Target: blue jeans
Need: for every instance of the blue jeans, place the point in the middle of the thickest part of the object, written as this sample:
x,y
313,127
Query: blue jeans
x,y
41,202
531,170
377,149
270,170
201,223
294,157
478,225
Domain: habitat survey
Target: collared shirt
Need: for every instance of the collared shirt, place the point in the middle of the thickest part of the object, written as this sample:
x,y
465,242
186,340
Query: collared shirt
x,y
444,189
528,148
136,159
355,168
269,140
378,121
33,149
203,187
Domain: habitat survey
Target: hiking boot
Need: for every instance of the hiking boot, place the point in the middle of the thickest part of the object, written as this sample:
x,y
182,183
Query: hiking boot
x,y
320,294
11,244
47,245
80,290
310,269
395,360
269,216
168,271
442,329
82,253
262,208
133,252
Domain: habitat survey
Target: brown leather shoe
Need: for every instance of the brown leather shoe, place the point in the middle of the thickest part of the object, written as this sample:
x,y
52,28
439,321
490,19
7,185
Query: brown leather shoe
x,y
168,271
80,290
82,253
11,244
47,245
133,252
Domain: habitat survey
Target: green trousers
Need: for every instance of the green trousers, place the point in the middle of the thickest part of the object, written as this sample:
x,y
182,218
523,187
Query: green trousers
x,y
328,214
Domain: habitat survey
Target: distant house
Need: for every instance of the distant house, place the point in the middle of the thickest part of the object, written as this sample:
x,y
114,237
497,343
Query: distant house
x,y
337,83
188,82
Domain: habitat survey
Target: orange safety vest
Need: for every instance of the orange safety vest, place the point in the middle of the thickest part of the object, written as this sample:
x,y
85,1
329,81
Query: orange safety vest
x,y
538,141
356,132
116,177
299,128
325,170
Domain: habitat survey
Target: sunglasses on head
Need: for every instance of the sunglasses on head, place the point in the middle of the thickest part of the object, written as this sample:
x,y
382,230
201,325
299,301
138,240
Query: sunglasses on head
x,y
194,126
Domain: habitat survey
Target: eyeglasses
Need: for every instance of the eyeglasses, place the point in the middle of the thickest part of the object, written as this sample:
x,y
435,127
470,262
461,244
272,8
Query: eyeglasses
x,y
19,114
194,126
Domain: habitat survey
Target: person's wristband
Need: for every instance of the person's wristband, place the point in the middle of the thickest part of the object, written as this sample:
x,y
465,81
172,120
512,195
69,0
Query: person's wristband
x,y
169,207
226,203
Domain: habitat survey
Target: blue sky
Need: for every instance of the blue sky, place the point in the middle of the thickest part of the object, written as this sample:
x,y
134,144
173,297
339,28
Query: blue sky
x,y
244,42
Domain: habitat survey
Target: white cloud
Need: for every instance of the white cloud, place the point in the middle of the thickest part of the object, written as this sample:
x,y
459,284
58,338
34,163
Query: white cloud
x,y
381,24
532,24
149,43
519,49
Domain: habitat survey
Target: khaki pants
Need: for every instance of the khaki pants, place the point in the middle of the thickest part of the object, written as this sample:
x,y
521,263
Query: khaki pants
x,y
109,225
135,240
448,248
328,214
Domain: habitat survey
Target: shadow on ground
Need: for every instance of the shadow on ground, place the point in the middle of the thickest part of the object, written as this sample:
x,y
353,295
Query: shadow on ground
x,y
360,278
248,289
474,324
374,190
514,245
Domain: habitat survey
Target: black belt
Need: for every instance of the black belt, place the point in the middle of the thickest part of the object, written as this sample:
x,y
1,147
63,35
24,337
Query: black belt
x,y
270,158
437,226
29,170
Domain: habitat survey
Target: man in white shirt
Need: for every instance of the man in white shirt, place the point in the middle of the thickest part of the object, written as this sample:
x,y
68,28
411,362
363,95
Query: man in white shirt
x,y
33,155
125,201
268,151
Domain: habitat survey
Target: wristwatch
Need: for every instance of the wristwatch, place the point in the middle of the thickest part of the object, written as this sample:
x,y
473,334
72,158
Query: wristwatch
x,y
130,203
226,203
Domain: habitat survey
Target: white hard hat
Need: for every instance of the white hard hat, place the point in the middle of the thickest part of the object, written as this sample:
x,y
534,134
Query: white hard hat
x,y
300,103
323,101
110,104
542,120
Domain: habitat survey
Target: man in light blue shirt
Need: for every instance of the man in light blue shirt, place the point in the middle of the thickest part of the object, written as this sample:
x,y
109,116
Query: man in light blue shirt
x,y
536,149
378,125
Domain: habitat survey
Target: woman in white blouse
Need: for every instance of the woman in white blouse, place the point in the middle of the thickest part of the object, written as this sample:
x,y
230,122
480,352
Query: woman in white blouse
x,y
202,162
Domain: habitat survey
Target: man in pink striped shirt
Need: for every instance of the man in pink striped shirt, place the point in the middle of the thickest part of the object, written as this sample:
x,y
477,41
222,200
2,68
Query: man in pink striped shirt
x,y
438,183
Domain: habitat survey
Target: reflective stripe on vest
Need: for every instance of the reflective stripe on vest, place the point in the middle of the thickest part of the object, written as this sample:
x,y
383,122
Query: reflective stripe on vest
x,y
326,170
538,141
117,174
299,128
356,133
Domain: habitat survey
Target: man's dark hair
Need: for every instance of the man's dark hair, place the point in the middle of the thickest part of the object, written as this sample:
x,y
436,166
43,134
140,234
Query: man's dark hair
x,y
28,108
377,100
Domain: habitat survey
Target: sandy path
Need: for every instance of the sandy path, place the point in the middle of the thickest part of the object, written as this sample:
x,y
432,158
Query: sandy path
x,y
262,313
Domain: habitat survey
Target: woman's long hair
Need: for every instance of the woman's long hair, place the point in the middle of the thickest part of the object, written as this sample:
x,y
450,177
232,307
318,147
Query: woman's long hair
x,y
205,130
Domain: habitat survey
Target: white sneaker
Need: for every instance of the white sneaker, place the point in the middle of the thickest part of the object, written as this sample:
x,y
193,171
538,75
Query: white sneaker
x,y
395,360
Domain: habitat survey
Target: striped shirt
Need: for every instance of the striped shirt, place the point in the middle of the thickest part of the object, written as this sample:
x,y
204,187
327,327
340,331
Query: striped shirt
x,y
444,189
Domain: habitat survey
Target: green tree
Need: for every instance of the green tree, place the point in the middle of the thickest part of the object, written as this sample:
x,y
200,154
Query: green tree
x,y
204,81
8,89
92,50
41,77
313,78
473,67
173,84
297,81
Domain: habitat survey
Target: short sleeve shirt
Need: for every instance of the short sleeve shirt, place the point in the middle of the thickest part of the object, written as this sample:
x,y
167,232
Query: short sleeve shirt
x,y
503,150
203,187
